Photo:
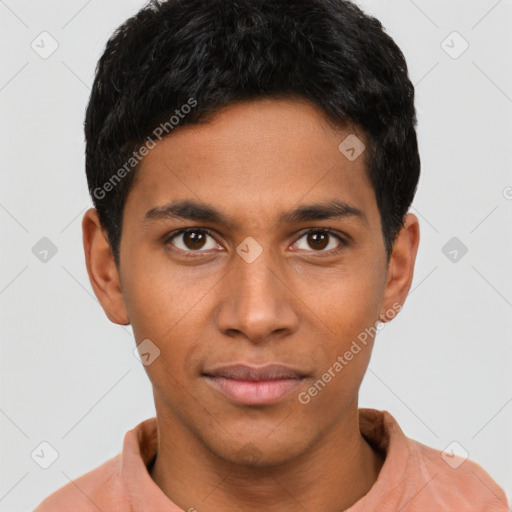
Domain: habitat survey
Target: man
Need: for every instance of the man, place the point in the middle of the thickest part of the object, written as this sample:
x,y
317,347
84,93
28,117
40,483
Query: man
x,y
252,164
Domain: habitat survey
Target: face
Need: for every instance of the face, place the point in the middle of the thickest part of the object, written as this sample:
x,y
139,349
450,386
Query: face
x,y
283,262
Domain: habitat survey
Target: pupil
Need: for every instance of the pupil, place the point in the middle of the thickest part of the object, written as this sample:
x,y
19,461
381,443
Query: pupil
x,y
314,238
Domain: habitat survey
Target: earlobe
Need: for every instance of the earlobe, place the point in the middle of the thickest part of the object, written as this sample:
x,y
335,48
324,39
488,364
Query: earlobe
x,y
103,273
401,268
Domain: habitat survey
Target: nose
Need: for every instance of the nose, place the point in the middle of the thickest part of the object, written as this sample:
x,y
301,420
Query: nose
x,y
257,303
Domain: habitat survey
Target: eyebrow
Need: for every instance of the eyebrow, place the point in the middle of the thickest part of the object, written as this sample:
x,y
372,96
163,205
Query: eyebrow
x,y
198,211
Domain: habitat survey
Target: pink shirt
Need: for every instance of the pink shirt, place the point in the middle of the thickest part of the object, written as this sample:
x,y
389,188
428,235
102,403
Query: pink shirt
x,y
414,478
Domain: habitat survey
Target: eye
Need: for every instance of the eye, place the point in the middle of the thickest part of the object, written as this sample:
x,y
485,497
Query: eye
x,y
321,240
192,240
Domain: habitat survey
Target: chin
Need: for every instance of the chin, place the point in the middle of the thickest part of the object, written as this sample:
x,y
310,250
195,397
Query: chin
x,y
258,452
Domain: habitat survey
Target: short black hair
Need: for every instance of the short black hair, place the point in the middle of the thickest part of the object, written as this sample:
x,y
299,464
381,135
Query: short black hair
x,y
177,62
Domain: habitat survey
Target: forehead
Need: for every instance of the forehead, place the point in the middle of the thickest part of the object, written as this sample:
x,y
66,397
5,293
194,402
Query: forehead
x,y
255,160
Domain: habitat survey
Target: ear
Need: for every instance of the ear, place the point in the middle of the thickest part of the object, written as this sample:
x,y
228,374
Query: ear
x,y
401,268
103,273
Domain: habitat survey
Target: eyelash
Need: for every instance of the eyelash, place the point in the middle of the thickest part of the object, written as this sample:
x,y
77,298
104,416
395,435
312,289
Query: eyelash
x,y
193,254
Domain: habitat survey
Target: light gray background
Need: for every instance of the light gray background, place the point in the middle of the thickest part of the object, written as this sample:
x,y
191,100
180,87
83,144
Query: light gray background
x,y
442,367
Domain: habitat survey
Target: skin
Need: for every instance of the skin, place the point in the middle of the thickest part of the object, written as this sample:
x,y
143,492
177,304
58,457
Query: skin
x,y
299,303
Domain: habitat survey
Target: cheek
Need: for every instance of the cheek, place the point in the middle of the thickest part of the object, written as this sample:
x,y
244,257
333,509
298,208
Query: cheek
x,y
344,358
354,312
351,310
349,301
170,310
159,297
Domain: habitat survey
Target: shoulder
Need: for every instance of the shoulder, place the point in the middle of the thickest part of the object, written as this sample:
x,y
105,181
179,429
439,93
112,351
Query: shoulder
x,y
454,480
97,489
417,477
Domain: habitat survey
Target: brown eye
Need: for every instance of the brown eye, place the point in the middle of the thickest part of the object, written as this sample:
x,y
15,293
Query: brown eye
x,y
319,240
193,240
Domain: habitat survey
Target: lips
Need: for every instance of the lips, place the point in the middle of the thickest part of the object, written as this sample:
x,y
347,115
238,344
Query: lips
x,y
253,373
250,385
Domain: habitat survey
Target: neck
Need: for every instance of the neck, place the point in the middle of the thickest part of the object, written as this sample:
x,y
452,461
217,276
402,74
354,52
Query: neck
x,y
330,475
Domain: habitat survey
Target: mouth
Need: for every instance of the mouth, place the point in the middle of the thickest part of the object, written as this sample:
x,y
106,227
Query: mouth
x,y
249,385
